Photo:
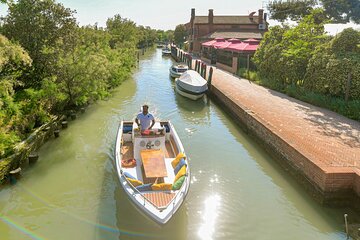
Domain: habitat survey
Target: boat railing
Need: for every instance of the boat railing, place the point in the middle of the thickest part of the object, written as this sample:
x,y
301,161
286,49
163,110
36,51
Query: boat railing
x,y
139,193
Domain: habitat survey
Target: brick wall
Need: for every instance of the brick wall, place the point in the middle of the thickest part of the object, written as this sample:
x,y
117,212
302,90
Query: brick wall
x,y
333,187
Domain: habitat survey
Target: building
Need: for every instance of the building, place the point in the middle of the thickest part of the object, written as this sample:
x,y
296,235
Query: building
x,y
205,28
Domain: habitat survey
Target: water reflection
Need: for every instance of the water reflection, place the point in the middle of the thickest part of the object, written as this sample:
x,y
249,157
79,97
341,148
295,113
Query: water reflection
x,y
209,217
196,112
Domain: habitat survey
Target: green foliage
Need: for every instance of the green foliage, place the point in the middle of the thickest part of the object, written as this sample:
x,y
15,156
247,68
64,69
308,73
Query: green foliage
x,y
251,75
58,65
285,52
293,9
306,64
165,36
38,25
337,11
329,68
180,34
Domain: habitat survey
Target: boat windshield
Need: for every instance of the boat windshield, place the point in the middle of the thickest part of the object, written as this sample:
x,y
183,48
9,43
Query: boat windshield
x,y
181,70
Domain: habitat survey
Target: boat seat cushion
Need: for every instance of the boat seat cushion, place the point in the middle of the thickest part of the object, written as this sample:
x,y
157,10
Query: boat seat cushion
x,y
181,173
135,182
179,166
177,159
144,187
161,186
177,185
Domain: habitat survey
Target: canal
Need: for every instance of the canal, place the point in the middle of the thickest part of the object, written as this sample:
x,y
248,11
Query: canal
x,y
237,190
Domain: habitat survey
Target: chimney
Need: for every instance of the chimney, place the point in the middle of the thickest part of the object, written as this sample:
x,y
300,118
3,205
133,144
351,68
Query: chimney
x,y
211,16
261,16
192,14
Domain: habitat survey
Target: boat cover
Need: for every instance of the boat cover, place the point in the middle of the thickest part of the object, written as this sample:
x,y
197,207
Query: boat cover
x,y
192,82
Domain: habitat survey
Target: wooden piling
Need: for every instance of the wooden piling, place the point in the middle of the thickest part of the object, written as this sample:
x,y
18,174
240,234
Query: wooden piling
x,y
57,133
73,116
210,76
64,124
15,175
33,157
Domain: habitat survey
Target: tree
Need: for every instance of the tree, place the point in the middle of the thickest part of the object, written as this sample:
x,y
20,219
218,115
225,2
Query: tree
x,y
284,53
123,31
180,34
331,64
337,11
41,27
13,60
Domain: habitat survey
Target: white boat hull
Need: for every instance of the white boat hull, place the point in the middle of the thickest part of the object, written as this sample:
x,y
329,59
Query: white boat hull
x,y
174,74
161,215
192,96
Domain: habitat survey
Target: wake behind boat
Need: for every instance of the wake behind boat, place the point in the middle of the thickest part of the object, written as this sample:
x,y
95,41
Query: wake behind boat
x,y
191,85
152,168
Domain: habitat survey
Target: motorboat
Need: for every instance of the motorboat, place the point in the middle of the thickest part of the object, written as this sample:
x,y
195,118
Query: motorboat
x,y
191,85
153,168
177,69
166,51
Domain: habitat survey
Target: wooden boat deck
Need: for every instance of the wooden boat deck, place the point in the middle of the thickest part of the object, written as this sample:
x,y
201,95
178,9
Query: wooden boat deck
x,y
127,152
159,199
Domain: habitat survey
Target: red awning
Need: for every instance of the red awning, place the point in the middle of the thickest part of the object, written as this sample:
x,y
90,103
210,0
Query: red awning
x,y
208,44
237,47
221,45
251,40
233,44
251,47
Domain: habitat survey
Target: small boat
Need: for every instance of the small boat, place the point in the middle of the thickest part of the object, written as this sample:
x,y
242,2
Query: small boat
x,y
178,69
166,52
159,45
152,168
191,85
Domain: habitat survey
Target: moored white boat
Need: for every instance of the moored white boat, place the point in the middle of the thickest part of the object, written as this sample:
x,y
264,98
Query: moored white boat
x,y
152,169
177,70
166,51
191,85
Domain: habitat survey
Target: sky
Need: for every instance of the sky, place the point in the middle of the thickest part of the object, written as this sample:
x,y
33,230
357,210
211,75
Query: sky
x,y
160,14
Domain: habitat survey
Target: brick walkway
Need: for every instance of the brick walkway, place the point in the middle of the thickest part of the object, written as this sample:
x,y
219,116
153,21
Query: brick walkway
x,y
327,139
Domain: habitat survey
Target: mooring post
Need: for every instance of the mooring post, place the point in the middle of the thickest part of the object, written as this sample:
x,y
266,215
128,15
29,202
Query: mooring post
x,y
15,175
210,76
73,116
64,124
205,71
33,157
346,225
57,133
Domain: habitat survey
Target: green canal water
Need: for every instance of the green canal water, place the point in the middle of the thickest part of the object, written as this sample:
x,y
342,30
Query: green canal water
x,y
237,190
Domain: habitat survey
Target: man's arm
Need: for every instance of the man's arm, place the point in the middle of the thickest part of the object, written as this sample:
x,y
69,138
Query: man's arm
x,y
137,122
152,124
